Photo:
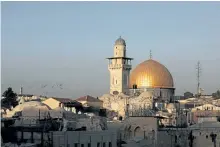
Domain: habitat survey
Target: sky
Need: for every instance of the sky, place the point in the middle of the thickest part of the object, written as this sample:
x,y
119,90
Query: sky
x,y
53,43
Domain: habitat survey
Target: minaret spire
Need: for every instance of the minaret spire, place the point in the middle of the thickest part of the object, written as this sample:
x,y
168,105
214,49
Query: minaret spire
x,y
150,54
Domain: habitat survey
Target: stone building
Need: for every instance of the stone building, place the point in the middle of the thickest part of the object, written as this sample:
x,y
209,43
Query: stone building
x,y
84,139
206,133
65,103
136,93
89,101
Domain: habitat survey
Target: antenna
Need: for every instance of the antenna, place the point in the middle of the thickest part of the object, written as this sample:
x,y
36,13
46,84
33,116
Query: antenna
x,y
198,68
150,54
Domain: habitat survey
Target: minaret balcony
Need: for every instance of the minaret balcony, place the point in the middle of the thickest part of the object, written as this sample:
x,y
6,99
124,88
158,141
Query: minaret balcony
x,y
119,66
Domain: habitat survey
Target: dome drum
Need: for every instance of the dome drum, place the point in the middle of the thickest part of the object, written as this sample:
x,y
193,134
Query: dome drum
x,y
150,87
165,94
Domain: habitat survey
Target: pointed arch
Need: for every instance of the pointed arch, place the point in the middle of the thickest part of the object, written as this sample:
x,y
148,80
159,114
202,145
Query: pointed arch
x,y
137,132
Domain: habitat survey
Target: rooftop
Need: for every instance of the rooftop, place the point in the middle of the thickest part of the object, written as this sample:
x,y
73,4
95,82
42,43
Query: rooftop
x,y
66,100
205,125
88,99
26,95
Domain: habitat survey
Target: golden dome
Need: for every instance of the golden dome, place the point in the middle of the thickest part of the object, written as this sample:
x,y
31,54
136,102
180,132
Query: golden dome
x,y
151,73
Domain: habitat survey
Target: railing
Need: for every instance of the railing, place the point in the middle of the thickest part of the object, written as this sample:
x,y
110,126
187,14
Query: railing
x,y
110,66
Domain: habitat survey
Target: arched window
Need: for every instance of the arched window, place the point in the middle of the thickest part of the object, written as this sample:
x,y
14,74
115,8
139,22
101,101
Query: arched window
x,y
137,132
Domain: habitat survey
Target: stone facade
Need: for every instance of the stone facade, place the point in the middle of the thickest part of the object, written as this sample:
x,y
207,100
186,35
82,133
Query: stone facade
x,y
84,138
140,127
122,103
142,105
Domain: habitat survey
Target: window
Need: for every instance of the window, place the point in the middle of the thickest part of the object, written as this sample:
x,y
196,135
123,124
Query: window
x,y
75,144
134,86
82,145
103,145
175,139
116,81
125,79
109,144
98,144
89,144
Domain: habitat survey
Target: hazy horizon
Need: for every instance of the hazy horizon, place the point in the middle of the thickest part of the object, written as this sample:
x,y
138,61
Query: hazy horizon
x,y
44,43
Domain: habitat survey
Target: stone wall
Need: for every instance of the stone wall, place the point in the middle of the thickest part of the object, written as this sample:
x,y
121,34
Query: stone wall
x,y
84,138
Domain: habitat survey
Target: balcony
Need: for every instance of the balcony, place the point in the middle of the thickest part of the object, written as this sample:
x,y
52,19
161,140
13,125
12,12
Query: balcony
x,y
119,66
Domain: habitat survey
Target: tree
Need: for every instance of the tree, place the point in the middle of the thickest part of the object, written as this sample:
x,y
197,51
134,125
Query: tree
x,y
10,98
188,94
216,94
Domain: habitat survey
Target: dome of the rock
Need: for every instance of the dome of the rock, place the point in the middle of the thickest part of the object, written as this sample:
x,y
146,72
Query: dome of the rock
x,y
151,74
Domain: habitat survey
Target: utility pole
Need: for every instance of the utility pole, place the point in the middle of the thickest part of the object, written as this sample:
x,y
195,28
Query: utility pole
x,y
198,68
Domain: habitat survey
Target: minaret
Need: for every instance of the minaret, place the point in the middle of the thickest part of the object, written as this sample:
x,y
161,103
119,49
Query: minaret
x,y
119,68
